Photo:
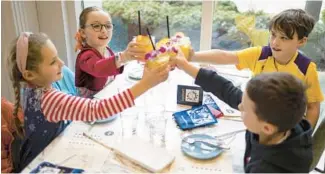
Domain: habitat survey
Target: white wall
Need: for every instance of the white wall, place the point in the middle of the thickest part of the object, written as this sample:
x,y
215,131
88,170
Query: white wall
x,y
58,19
7,34
89,3
50,22
14,19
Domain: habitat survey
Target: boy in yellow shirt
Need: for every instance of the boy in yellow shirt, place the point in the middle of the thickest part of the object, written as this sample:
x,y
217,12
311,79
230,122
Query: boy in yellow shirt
x,y
289,31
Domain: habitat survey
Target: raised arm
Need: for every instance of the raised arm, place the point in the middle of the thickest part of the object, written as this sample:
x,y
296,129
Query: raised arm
x,y
210,81
215,57
58,106
224,89
90,63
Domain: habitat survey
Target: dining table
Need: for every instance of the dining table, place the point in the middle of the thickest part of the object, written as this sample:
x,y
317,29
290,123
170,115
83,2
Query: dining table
x,y
151,120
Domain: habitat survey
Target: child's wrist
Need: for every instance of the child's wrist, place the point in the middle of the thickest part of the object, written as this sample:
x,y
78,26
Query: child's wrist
x,y
182,64
123,57
145,84
119,60
139,88
191,56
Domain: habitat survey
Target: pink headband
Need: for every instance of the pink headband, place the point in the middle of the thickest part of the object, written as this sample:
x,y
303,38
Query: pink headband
x,y
22,51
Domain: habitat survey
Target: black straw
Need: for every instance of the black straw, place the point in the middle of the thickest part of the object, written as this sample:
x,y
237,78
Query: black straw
x,y
153,45
139,22
168,34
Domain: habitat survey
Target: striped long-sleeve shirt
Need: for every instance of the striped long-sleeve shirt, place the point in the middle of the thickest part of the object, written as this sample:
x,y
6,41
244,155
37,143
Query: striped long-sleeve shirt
x,y
57,106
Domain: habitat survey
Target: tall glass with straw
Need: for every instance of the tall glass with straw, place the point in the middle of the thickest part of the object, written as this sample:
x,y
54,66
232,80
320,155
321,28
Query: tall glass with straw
x,y
146,46
155,59
178,41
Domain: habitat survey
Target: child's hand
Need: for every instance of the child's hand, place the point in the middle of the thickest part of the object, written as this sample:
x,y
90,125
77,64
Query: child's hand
x,y
192,52
133,52
152,77
179,60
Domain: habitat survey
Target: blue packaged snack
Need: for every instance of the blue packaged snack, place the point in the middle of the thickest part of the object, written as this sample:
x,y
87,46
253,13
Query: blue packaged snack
x,y
212,105
195,117
47,167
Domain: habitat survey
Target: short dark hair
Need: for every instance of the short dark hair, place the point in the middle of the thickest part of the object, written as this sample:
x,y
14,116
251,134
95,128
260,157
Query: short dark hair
x,y
293,21
279,99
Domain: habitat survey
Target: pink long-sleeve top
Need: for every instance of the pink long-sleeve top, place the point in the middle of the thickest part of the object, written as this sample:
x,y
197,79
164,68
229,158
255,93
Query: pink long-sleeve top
x,y
93,69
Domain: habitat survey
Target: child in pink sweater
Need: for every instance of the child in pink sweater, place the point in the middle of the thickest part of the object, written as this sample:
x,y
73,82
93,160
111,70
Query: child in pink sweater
x,y
96,64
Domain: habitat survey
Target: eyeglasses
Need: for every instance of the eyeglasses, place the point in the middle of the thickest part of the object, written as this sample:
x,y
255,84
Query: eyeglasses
x,y
99,27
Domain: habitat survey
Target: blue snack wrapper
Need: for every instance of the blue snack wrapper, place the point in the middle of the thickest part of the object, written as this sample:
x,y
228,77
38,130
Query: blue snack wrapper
x,y
47,167
195,117
212,105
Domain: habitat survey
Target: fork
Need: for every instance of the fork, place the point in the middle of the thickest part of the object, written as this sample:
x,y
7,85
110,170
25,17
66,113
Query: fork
x,y
211,143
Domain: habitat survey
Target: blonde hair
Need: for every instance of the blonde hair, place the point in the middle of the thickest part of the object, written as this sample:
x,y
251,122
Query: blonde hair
x,y
34,58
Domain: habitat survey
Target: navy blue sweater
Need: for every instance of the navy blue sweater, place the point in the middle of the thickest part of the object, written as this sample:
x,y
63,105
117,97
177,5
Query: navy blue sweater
x,y
292,155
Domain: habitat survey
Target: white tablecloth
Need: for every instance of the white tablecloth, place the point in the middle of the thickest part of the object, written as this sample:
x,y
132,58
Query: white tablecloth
x,y
72,149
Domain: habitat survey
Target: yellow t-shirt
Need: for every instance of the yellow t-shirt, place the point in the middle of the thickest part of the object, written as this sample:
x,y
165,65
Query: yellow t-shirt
x,y
249,58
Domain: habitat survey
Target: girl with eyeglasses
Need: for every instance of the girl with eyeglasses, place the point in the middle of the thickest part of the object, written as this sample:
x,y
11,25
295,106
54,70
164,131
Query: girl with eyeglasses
x,y
96,64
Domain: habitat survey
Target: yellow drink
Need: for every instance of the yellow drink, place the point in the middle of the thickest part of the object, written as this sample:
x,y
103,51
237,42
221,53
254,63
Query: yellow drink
x,y
162,42
179,40
158,60
145,41
186,50
168,48
185,45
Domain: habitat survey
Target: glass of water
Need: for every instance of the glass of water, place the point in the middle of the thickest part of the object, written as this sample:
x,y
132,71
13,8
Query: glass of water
x,y
156,124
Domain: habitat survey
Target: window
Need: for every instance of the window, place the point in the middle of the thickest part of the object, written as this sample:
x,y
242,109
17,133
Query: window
x,y
315,49
184,16
239,24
